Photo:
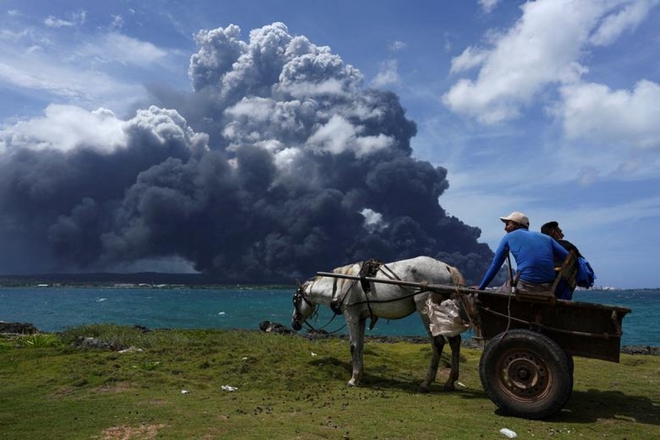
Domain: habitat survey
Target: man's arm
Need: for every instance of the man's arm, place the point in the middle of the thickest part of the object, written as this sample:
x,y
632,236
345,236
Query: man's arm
x,y
498,260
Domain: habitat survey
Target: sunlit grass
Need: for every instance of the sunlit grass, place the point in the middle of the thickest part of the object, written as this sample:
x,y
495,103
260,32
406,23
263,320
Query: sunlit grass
x,y
180,384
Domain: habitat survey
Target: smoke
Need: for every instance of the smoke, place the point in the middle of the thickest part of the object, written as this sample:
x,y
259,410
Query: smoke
x,y
278,164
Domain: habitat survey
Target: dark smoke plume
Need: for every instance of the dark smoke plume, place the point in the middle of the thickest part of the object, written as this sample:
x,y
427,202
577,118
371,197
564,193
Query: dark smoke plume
x,y
278,164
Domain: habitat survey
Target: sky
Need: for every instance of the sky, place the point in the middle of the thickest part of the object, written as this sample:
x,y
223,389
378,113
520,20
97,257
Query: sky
x,y
548,107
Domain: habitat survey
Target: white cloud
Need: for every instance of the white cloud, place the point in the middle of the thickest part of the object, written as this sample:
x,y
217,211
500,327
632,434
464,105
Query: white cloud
x,y
65,127
76,19
373,220
628,18
397,46
35,65
58,23
470,58
387,75
600,115
339,135
541,48
545,47
117,21
116,47
90,88
488,5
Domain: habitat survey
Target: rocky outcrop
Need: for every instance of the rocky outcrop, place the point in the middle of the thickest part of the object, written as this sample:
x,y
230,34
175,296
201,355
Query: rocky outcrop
x,y
21,328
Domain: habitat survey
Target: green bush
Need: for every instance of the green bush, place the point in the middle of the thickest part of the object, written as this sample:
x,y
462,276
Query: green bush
x,y
39,340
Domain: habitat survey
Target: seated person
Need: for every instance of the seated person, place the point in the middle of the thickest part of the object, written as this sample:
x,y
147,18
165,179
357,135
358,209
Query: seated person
x,y
553,230
534,254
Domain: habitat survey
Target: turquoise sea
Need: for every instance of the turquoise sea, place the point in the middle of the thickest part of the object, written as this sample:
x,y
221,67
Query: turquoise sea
x,y
56,308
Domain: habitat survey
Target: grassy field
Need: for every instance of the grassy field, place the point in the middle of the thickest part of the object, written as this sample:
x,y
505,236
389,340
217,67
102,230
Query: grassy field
x,y
129,384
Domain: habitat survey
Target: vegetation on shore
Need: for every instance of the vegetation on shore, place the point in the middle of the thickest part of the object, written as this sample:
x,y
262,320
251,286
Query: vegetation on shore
x,y
114,382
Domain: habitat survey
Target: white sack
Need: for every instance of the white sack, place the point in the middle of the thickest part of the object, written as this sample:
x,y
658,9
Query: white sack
x,y
445,319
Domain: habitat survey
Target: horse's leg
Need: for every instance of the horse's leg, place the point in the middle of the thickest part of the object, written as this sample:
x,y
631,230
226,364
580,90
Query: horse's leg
x,y
437,344
420,305
455,344
356,326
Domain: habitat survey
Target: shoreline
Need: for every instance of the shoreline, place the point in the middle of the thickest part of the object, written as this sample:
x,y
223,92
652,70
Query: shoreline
x,y
23,328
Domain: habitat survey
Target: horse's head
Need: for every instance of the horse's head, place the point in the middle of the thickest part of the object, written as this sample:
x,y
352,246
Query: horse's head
x,y
302,307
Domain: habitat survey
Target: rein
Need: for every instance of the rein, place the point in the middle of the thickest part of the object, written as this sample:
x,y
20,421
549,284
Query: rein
x,y
300,295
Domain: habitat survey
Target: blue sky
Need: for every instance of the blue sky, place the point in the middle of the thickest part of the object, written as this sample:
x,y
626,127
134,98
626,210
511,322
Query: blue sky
x,y
548,107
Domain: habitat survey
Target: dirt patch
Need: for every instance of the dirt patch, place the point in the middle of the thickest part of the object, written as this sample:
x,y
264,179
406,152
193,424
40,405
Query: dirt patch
x,y
113,387
123,432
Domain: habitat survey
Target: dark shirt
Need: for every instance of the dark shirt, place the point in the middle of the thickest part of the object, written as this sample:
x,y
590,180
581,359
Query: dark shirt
x,y
569,247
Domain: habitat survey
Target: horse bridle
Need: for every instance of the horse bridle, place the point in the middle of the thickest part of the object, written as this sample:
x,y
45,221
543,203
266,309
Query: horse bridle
x,y
299,297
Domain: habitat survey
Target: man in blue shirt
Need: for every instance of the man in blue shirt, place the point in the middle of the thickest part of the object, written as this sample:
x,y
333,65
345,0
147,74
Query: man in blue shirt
x,y
534,254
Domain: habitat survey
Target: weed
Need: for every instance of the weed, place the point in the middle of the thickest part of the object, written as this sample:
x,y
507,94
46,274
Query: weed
x,y
39,340
148,366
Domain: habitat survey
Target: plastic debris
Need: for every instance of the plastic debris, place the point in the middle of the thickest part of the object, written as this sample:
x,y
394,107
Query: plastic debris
x,y
314,354
461,384
184,391
131,349
508,433
228,388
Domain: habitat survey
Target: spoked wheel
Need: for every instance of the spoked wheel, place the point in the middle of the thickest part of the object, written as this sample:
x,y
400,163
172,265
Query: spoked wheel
x,y
526,374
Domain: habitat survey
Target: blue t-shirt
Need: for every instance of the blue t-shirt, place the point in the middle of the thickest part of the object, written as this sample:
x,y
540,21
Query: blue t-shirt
x,y
534,254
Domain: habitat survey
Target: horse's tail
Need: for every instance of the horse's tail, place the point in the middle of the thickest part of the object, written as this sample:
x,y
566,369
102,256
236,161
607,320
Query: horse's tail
x,y
456,276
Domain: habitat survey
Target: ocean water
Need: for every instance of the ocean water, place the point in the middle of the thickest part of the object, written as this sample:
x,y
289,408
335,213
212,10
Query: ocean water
x,y
56,308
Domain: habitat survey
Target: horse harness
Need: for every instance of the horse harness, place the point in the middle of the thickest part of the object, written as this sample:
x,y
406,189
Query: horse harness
x,y
368,269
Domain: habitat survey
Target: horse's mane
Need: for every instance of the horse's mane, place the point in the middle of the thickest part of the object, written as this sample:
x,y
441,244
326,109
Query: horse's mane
x,y
345,270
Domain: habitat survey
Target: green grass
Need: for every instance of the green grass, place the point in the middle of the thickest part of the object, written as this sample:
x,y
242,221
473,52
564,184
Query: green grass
x,y
168,385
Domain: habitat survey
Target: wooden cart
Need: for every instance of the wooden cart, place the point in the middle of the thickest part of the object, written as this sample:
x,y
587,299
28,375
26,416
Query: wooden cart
x,y
526,367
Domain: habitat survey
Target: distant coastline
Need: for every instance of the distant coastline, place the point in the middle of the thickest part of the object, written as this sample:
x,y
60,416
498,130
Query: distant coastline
x,y
136,280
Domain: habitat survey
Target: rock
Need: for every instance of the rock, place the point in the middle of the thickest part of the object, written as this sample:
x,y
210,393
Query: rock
x,y
274,327
641,349
91,343
18,328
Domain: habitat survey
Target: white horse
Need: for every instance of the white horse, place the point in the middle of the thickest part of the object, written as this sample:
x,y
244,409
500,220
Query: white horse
x,y
381,301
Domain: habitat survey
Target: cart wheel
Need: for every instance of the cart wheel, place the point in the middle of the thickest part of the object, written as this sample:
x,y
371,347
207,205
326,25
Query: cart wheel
x,y
526,374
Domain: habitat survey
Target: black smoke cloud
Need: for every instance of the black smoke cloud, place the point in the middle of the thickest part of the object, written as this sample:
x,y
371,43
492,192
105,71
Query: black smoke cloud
x,y
278,164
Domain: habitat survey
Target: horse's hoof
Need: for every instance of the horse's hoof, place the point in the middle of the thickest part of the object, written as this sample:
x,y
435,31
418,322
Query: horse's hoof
x,y
423,389
449,387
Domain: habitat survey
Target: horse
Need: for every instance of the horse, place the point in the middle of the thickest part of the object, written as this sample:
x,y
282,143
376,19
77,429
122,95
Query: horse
x,y
358,301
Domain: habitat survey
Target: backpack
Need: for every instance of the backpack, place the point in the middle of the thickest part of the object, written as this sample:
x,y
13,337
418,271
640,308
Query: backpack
x,y
585,274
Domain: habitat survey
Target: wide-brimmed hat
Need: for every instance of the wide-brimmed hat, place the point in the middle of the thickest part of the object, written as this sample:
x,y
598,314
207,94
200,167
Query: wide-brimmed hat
x,y
517,217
